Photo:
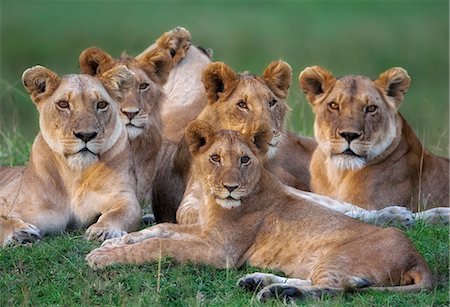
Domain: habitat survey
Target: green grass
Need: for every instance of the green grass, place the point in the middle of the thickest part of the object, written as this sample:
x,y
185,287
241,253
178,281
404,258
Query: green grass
x,y
53,271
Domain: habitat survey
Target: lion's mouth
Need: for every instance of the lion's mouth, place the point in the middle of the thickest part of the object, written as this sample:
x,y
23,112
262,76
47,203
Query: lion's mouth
x,y
86,150
350,152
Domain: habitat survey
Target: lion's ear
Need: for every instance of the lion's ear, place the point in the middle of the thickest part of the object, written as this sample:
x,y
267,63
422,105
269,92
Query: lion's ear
x,y
40,82
260,135
157,64
199,136
315,81
218,78
394,83
94,61
117,80
278,77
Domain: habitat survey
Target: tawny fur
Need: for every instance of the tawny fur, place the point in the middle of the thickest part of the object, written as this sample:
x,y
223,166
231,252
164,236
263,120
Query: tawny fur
x,y
268,227
393,167
70,182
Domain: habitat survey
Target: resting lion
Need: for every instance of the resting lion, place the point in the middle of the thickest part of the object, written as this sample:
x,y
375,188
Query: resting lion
x,y
368,155
248,216
77,175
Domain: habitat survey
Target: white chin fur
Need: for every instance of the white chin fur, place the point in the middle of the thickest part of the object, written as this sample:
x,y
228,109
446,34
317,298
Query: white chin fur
x,y
228,203
347,162
133,132
272,152
81,160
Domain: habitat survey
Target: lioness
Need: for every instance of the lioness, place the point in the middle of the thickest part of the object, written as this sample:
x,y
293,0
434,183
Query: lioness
x,y
368,155
235,101
248,216
77,175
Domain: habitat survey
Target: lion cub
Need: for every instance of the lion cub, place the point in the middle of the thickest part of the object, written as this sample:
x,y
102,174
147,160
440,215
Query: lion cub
x,y
248,216
77,175
368,155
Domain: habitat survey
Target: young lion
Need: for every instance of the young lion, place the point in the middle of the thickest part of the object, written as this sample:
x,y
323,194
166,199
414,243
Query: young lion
x,y
78,170
248,216
368,155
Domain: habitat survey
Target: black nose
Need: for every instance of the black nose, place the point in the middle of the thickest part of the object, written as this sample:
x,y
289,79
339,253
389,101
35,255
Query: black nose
x,y
130,115
231,188
85,136
350,136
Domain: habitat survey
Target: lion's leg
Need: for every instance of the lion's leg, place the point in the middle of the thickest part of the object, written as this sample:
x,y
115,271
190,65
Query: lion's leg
x,y
163,230
257,281
151,250
15,230
123,216
187,212
434,216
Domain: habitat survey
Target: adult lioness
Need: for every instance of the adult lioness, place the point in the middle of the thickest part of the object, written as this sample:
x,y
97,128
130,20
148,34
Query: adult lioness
x,y
368,155
78,173
235,101
248,216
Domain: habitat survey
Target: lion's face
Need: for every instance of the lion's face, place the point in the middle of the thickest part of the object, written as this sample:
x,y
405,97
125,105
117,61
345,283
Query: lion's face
x,y
140,107
229,162
78,114
237,101
356,118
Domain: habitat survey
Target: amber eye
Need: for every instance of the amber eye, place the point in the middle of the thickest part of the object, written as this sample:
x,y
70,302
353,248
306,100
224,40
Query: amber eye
x,y
241,104
215,158
333,106
143,86
63,104
245,160
371,109
102,105
272,103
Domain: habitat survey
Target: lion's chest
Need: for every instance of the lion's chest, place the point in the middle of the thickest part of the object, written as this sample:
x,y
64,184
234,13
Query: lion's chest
x,y
86,207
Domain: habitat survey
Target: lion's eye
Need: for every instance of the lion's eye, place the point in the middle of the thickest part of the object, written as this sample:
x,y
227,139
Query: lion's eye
x,y
63,104
371,109
102,105
143,86
333,106
242,104
272,102
215,158
245,160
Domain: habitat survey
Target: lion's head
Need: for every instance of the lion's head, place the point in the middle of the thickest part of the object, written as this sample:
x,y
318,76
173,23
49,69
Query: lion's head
x,y
356,118
237,101
140,108
227,161
78,114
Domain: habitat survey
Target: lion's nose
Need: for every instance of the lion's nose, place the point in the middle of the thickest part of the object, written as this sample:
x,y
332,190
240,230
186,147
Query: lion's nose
x,y
85,136
130,112
350,136
231,188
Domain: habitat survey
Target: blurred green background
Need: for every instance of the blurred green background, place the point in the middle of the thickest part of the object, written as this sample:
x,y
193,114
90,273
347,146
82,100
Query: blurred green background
x,y
346,37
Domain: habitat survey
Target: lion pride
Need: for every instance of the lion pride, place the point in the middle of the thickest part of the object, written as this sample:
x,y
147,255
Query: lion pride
x,y
368,155
77,175
247,216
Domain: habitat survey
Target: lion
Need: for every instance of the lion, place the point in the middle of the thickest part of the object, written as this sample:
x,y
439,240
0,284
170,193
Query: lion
x,y
368,155
235,101
77,175
248,217
186,95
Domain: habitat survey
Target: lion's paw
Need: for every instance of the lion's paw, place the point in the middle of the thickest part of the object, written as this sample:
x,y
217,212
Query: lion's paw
x,y
177,41
20,232
101,233
284,292
255,281
395,215
130,238
101,257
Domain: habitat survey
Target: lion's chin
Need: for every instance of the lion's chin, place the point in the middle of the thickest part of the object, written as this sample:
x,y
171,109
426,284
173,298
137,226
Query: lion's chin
x,y
133,131
228,203
82,160
348,162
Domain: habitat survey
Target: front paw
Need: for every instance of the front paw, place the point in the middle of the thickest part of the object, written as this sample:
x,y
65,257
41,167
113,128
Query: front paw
x,y
255,281
284,292
177,41
395,215
100,233
16,231
101,257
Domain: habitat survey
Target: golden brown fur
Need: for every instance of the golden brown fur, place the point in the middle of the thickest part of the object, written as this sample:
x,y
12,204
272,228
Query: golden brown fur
x,y
77,175
235,102
368,155
140,108
247,216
